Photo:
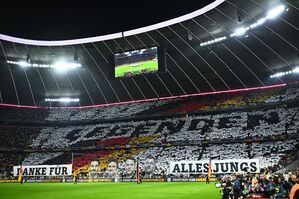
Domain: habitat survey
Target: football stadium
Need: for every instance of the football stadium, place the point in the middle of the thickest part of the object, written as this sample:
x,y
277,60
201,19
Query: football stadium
x,y
200,100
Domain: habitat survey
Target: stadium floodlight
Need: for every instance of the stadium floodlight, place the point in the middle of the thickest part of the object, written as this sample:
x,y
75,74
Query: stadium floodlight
x,y
65,99
258,23
62,99
216,40
296,70
275,12
11,62
280,74
261,21
240,31
63,66
24,64
60,66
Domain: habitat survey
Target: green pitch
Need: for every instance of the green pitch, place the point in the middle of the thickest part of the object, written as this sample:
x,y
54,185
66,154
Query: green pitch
x,y
146,190
149,66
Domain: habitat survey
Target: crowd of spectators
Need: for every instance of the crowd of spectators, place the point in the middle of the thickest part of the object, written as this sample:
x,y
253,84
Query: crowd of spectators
x,y
198,128
260,185
180,105
17,136
228,126
233,100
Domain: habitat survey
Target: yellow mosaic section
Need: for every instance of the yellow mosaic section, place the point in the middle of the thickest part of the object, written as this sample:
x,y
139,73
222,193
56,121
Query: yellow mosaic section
x,y
122,154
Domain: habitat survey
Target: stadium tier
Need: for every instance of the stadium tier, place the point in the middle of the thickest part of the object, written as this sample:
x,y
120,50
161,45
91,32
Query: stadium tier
x,y
266,128
159,107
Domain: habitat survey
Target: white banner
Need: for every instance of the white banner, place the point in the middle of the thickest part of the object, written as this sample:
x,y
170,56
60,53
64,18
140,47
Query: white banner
x,y
218,166
44,170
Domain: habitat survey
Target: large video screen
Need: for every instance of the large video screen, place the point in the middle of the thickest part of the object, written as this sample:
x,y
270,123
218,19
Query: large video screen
x,y
136,62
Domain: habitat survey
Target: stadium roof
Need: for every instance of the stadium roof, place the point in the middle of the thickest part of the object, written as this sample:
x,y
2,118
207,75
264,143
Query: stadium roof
x,y
253,43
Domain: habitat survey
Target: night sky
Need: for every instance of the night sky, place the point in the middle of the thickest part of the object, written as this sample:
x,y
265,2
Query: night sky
x,y
55,20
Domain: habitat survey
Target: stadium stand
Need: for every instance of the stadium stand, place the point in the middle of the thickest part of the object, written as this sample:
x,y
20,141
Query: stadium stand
x,y
264,127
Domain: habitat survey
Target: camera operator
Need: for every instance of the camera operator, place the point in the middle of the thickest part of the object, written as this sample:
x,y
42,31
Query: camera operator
x,y
236,186
227,191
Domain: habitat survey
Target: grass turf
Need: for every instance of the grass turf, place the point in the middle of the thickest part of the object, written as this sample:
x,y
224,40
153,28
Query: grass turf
x,y
151,65
153,190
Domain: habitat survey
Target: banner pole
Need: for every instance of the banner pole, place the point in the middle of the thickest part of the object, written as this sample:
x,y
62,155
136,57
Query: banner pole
x,y
72,158
137,172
